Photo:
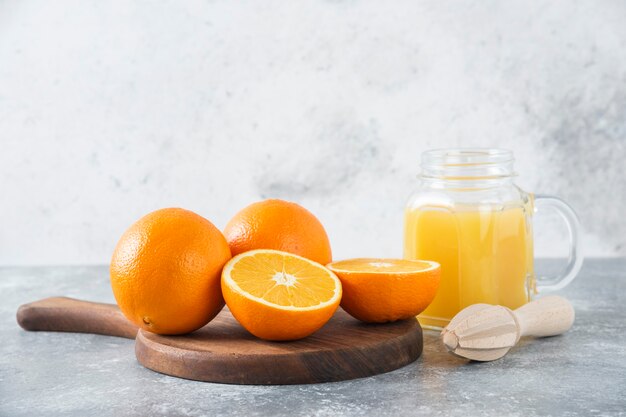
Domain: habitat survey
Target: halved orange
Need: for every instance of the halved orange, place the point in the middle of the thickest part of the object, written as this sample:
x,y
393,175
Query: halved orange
x,y
384,290
279,296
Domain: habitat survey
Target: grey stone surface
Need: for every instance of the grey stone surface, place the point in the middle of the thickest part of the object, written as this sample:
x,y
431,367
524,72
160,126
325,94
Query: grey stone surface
x,y
580,373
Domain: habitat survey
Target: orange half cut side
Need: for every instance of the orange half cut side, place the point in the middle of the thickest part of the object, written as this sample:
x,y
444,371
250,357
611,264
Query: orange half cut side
x,y
276,295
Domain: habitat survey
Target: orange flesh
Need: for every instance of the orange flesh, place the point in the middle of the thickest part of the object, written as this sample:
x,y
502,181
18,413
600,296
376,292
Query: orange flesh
x,y
284,280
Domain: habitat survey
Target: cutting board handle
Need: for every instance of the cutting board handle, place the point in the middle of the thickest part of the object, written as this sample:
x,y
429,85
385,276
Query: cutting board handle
x,y
63,314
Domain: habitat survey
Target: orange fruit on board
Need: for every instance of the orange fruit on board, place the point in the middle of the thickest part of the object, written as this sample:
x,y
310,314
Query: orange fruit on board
x,y
279,296
279,225
165,271
384,290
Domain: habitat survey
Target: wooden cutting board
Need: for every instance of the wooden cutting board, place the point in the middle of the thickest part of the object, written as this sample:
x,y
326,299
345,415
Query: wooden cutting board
x,y
223,351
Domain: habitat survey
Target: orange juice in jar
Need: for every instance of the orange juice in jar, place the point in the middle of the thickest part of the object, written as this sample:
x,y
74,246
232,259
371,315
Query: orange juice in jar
x,y
469,216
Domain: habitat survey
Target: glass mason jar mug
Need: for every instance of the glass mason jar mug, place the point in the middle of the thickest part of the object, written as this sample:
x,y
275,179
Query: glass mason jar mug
x,y
469,216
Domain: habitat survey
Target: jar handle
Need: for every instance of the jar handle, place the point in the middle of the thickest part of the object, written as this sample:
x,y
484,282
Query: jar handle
x,y
575,257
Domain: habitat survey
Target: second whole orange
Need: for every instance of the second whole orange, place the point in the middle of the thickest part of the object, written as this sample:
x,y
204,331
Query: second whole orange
x,y
279,225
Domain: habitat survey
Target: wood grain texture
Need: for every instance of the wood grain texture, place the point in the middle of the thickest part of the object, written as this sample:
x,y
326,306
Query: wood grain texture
x,y
223,351
63,314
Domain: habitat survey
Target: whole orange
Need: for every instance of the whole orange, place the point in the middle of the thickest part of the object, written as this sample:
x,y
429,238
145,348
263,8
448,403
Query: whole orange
x,y
165,271
280,225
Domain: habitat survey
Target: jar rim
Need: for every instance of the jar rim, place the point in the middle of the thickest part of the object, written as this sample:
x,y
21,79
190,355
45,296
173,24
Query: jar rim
x,y
467,163
466,156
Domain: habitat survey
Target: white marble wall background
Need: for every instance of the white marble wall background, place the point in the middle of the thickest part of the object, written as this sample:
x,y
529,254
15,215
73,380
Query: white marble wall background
x,y
109,110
